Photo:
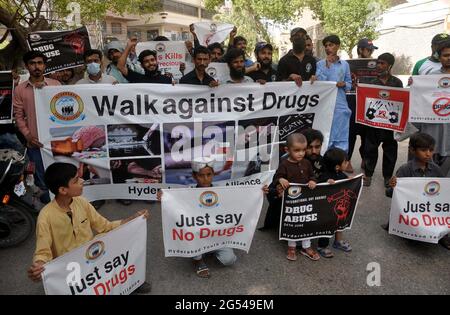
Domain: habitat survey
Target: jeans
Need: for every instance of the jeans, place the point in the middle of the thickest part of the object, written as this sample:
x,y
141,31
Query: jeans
x,y
35,156
10,141
226,256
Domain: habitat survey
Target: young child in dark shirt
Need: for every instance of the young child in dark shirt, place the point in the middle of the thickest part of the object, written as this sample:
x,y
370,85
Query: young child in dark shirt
x,y
335,161
296,169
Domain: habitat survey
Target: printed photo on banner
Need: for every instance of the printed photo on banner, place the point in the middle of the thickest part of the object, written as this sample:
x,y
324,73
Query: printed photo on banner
x,y
362,69
6,92
382,107
430,99
143,170
64,49
130,140
87,142
420,209
291,124
320,212
197,221
111,264
212,32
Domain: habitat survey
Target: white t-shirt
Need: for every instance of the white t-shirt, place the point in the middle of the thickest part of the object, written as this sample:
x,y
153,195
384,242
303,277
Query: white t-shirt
x,y
105,79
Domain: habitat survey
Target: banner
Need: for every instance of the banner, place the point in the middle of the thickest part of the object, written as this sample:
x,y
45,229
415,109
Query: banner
x,y
129,140
362,70
420,209
382,107
201,220
170,55
211,32
320,212
64,49
6,92
219,71
430,99
113,264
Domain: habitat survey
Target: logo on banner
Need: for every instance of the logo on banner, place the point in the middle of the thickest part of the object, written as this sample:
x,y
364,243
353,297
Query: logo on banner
x,y
371,64
94,251
441,106
384,94
432,188
35,37
213,27
294,191
444,82
343,203
67,108
160,47
209,199
212,71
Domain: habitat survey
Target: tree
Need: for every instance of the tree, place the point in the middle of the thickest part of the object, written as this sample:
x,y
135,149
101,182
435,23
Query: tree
x,y
351,20
21,17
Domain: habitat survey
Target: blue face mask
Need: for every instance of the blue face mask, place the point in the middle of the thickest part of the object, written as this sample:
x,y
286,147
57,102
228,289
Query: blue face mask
x,y
93,68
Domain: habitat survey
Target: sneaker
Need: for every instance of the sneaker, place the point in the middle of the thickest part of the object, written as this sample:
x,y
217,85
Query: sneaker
x,y
367,181
98,204
125,202
145,288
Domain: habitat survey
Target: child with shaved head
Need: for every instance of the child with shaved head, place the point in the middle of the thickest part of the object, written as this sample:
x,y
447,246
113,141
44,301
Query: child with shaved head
x,y
296,169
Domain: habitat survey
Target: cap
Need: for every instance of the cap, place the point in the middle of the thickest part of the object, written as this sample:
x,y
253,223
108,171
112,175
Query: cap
x,y
440,38
298,30
366,43
389,58
261,45
114,45
202,162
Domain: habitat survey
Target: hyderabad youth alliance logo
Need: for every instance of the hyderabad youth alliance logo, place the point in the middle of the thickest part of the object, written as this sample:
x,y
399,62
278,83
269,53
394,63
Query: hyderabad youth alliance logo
x,y
294,191
432,188
384,94
95,251
209,199
67,108
444,82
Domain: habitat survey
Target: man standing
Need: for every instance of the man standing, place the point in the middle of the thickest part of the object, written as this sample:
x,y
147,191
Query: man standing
x,y
235,58
365,48
297,66
25,113
264,70
375,136
93,62
198,76
334,69
114,51
432,63
149,63
309,48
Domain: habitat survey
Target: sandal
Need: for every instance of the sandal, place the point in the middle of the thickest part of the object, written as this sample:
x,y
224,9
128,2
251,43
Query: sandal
x,y
291,254
342,245
201,269
325,252
310,253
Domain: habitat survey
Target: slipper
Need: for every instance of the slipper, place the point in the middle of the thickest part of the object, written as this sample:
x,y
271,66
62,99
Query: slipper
x,y
342,245
291,254
201,269
325,252
313,256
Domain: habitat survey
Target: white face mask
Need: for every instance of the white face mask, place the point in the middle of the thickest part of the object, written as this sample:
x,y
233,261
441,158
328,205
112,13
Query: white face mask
x,y
93,68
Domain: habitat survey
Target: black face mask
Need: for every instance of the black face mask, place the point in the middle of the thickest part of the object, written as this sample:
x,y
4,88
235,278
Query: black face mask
x,y
237,74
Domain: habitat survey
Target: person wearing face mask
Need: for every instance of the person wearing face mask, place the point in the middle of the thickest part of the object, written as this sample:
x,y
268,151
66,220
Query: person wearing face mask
x,y
375,136
263,67
149,63
93,61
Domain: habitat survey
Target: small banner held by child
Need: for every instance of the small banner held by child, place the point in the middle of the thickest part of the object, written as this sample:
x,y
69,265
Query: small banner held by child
x,y
113,264
201,220
382,107
208,33
320,212
6,91
430,99
420,209
64,49
170,55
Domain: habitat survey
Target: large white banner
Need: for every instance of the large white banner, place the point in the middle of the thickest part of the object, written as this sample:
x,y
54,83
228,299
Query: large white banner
x,y
170,55
129,140
430,99
201,220
113,264
212,32
420,209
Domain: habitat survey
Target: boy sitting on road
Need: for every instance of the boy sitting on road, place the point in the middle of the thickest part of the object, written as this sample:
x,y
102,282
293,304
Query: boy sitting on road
x,y
69,220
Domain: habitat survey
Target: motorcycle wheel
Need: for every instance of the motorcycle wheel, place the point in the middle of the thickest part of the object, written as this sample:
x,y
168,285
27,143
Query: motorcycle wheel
x,y
16,225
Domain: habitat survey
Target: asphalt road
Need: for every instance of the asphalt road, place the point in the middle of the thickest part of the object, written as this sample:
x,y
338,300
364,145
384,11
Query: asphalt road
x,y
406,267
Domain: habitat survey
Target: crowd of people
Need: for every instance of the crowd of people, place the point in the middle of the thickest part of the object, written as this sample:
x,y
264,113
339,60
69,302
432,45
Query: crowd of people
x,y
429,148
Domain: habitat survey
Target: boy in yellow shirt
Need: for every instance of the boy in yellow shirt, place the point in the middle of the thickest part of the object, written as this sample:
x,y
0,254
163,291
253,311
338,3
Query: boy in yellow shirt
x,y
69,220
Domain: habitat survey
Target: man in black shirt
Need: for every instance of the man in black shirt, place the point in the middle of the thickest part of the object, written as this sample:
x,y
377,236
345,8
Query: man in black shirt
x,y
297,66
265,71
375,136
149,63
198,76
